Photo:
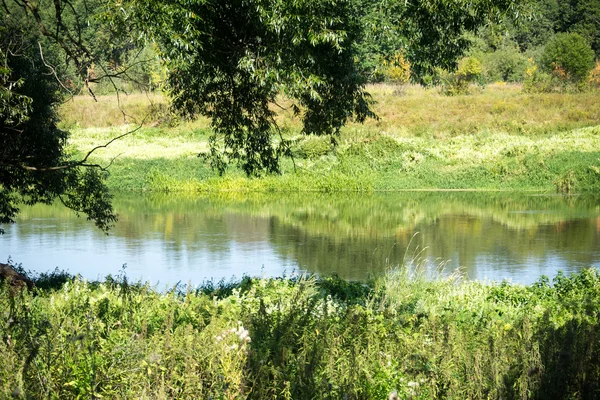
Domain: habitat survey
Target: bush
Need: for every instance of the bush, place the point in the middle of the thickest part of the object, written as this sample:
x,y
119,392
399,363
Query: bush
x,y
469,71
397,70
312,147
506,65
537,81
569,57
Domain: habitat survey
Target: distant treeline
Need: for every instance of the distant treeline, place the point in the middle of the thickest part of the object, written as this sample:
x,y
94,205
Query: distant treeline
x,y
389,50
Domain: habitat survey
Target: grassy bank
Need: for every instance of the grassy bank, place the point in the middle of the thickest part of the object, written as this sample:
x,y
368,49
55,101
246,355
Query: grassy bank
x,y
498,139
304,338
162,160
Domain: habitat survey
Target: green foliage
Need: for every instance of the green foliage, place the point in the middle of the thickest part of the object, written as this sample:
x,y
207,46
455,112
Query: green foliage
x,y
569,57
430,34
504,65
537,81
538,25
397,70
34,164
312,147
581,17
304,338
469,71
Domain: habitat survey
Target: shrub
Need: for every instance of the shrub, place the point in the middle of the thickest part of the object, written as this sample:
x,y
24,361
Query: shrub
x,y
397,70
312,147
469,70
537,81
506,65
569,57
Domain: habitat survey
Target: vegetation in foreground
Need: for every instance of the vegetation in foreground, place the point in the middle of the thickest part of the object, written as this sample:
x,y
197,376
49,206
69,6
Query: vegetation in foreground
x,y
499,138
303,338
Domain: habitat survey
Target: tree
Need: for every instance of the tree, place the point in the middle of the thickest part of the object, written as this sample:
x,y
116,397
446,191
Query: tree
x,y
34,165
432,33
582,17
538,27
570,56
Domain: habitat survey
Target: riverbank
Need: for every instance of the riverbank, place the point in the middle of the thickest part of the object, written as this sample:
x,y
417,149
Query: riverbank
x,y
498,139
304,338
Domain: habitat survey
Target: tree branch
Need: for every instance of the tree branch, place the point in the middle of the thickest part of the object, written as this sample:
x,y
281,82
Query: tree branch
x,y
53,70
80,163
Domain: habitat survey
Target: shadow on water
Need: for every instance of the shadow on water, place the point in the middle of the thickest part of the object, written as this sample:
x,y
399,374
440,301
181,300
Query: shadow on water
x,y
489,235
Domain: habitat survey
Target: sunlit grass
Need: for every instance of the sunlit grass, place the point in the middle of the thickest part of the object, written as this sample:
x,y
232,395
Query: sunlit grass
x,y
426,112
147,143
406,111
496,139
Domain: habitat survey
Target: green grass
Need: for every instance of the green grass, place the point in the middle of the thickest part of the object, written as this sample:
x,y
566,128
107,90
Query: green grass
x,y
498,139
303,338
159,160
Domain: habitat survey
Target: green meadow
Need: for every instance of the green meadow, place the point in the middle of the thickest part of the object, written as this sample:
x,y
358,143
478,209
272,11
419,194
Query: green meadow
x,y
498,138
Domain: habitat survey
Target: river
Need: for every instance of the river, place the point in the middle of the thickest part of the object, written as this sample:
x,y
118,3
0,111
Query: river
x,y
168,239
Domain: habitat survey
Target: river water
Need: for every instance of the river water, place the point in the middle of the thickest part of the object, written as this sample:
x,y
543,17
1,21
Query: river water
x,y
169,239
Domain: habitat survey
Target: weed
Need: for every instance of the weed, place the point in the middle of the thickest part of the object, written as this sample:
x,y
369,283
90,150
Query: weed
x,y
305,338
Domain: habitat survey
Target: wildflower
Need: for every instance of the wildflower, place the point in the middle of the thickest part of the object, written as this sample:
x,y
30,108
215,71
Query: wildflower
x,y
243,334
412,384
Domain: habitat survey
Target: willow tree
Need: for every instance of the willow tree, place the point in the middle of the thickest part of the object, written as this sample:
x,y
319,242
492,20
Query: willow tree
x,y
34,164
228,60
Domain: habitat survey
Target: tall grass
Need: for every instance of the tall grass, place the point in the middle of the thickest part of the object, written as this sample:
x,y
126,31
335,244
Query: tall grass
x,y
304,338
413,111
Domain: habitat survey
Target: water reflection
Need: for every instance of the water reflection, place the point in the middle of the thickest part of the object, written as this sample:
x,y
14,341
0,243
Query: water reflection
x,y
170,239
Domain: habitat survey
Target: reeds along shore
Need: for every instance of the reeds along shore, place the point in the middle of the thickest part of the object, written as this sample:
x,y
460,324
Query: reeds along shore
x,y
303,338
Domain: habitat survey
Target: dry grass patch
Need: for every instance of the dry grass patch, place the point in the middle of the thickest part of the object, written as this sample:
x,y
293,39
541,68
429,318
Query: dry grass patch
x,y
422,111
403,111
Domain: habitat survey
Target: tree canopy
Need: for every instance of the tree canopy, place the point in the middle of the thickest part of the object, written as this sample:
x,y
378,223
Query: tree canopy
x,y
228,60
34,165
